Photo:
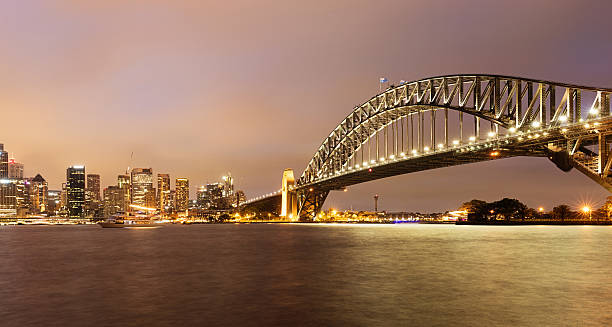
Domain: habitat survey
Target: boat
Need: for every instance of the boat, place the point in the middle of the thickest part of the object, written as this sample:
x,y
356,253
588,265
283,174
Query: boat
x,y
125,220
129,224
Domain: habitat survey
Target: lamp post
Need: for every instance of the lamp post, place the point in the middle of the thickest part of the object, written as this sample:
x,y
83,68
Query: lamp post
x,y
587,210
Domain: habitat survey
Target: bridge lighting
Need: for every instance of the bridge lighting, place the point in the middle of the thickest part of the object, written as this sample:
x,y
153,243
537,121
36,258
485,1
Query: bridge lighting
x,y
540,209
403,154
529,136
414,151
587,125
472,138
356,166
563,118
311,189
455,142
512,129
545,133
564,130
593,111
491,134
440,146
595,124
537,135
535,124
382,159
365,163
426,148
520,138
580,120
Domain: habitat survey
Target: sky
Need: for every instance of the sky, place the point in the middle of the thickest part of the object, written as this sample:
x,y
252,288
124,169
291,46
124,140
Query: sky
x,y
200,88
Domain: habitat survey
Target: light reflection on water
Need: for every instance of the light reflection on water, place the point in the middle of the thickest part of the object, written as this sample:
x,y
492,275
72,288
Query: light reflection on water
x,y
319,274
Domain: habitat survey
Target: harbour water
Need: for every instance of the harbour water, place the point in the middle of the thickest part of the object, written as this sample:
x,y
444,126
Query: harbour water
x,y
311,275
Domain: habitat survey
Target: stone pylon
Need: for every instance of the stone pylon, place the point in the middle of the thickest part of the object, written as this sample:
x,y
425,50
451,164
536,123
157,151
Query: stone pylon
x,y
289,196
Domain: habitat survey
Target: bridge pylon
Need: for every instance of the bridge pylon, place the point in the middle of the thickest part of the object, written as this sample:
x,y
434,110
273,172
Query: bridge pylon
x,y
289,196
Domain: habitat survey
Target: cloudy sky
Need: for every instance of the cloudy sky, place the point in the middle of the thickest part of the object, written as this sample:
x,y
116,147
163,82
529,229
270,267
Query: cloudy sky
x,y
200,88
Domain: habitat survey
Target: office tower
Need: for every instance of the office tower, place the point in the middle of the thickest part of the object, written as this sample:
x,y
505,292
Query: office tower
x,y
124,183
114,200
93,187
93,201
38,192
142,186
163,192
15,169
3,163
228,185
75,191
182,194
201,198
53,202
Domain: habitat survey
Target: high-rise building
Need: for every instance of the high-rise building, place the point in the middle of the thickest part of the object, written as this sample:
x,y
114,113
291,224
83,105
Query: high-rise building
x,y
182,194
3,163
53,202
114,200
228,185
93,187
142,187
93,202
15,169
75,191
38,193
124,183
163,192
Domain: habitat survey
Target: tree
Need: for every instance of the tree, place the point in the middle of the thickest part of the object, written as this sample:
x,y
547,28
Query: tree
x,y
477,210
509,208
561,212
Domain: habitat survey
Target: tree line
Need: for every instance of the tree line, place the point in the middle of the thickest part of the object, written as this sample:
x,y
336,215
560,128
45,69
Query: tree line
x,y
513,209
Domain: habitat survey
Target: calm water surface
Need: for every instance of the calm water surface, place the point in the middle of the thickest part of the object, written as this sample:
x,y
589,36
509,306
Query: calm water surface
x,y
317,275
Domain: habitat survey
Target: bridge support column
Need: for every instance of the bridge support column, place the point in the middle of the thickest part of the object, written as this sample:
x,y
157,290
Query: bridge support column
x,y
310,203
289,196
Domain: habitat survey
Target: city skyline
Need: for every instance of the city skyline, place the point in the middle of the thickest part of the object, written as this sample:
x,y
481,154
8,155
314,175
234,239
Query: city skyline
x,y
162,92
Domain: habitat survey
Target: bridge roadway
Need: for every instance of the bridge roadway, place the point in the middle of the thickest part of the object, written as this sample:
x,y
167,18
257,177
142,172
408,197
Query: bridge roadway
x,y
527,118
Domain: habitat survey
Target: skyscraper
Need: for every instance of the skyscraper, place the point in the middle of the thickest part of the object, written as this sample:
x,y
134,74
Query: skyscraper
x,y
124,183
92,195
93,187
182,194
38,193
163,192
75,191
3,162
114,200
142,186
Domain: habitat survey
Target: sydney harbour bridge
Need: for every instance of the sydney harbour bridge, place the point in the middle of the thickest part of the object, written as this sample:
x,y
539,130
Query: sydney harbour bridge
x,y
452,120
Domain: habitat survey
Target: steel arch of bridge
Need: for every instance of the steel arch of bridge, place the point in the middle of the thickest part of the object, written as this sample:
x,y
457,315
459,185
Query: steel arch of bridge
x,y
506,102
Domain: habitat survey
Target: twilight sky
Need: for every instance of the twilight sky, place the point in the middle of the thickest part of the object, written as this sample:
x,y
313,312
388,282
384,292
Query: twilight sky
x,y
199,88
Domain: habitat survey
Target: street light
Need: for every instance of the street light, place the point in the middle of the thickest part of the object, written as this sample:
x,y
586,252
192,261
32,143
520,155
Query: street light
x,y
586,210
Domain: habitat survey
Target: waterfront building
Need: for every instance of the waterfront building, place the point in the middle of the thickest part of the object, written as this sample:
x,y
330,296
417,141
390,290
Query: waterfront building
x,y
142,186
75,191
163,192
15,169
182,194
201,198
